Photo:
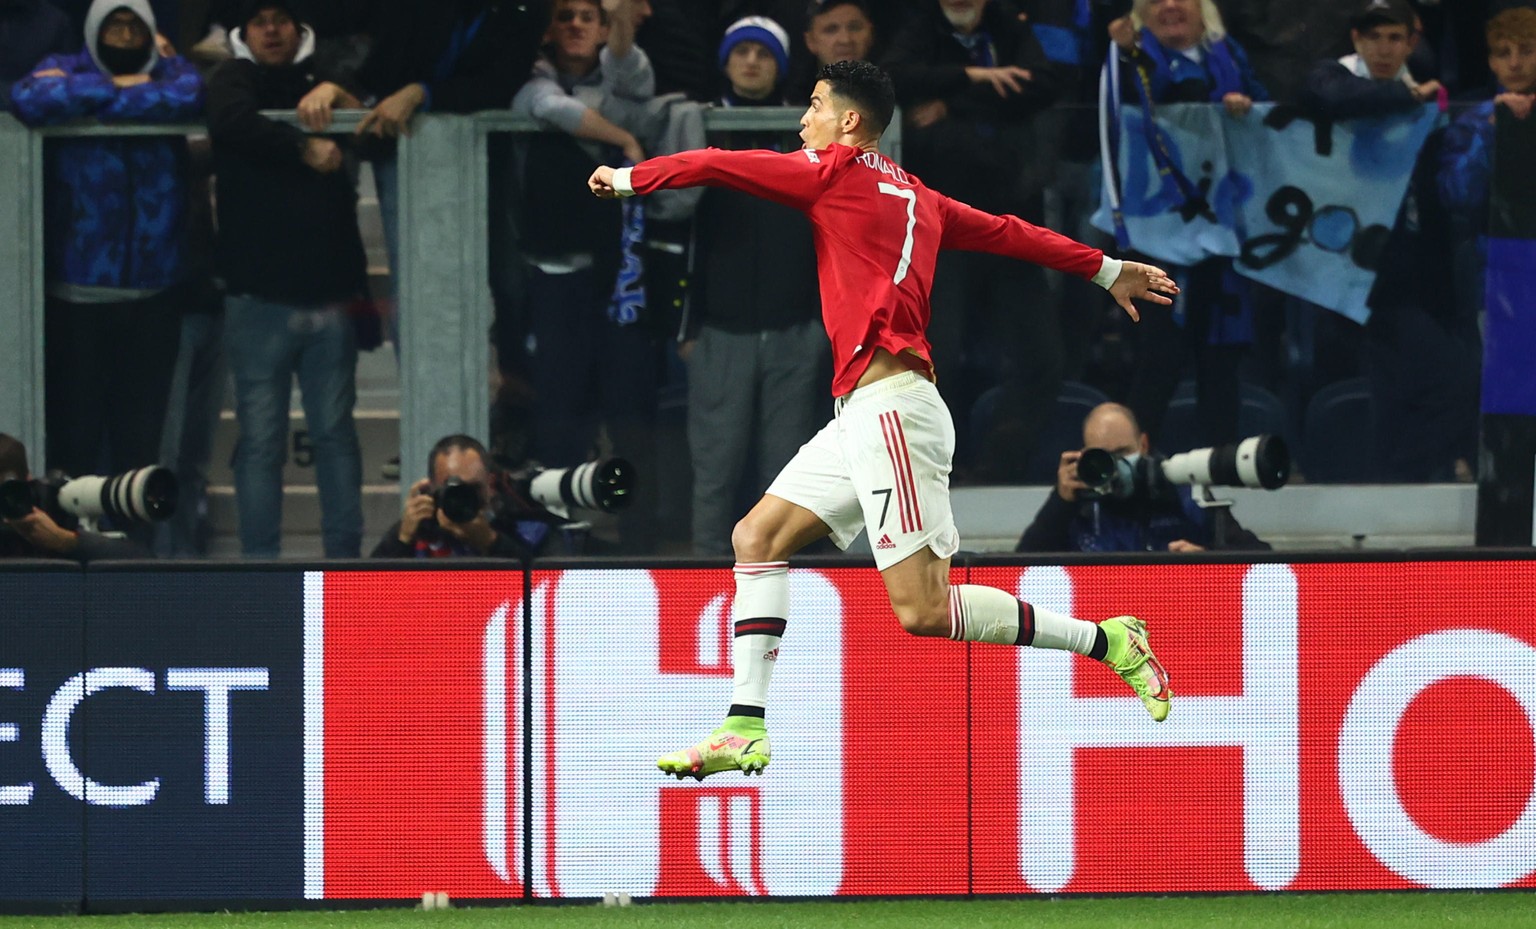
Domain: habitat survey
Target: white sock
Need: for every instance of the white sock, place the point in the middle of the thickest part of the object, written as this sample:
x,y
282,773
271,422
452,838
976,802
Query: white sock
x,y
986,614
762,603
983,614
1055,630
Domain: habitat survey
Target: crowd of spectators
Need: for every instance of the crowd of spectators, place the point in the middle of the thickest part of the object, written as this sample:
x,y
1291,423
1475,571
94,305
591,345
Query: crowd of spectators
x,y
145,323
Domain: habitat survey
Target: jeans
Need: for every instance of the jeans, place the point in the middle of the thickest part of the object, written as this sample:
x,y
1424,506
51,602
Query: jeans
x,y
267,344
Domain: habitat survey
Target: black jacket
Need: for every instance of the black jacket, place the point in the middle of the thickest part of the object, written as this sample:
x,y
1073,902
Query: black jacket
x,y
1132,525
756,259
986,137
286,232
30,31
1334,91
411,37
507,545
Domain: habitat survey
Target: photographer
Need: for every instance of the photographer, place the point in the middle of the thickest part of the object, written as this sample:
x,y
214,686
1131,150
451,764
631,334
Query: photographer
x,y
425,530
39,533
1076,519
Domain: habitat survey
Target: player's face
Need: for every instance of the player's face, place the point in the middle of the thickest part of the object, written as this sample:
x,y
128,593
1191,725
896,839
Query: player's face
x,y
1514,64
1177,24
822,123
1384,48
843,33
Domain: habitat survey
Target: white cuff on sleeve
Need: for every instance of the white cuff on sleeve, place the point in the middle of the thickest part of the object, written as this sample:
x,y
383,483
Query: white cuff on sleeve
x,y
1108,271
622,185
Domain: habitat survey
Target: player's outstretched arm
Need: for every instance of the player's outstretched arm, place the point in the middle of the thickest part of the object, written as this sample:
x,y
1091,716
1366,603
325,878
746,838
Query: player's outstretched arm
x,y
1139,281
601,183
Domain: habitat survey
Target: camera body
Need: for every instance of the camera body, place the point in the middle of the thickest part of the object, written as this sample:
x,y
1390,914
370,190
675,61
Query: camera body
x,y
139,496
1258,461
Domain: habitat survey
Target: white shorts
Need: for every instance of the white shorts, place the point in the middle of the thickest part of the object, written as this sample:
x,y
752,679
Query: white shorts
x,y
881,464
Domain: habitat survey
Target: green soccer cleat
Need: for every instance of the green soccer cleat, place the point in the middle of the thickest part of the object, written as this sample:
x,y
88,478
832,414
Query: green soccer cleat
x,y
1131,657
740,744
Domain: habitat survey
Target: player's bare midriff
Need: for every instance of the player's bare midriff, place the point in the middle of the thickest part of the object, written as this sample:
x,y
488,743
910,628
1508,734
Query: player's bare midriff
x,y
884,365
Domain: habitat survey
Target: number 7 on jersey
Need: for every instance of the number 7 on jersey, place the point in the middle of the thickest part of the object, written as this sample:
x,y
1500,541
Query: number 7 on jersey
x,y
910,196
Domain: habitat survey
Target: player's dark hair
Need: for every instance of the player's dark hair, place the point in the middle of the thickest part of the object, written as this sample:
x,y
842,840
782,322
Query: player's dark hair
x,y
865,86
458,443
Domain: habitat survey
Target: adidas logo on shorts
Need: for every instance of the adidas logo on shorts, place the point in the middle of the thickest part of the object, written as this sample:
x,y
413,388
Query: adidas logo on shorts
x,y
885,543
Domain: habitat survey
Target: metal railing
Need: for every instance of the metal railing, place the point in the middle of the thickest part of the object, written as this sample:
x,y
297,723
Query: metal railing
x,y
442,270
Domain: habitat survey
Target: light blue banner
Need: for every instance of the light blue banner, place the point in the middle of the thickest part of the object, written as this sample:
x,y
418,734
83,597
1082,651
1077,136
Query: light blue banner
x,y
1303,205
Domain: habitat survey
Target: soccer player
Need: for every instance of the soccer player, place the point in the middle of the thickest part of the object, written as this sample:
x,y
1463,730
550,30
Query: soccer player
x,y
883,462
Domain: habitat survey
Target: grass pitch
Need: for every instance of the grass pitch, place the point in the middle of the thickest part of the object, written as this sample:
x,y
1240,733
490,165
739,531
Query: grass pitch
x,y
1507,910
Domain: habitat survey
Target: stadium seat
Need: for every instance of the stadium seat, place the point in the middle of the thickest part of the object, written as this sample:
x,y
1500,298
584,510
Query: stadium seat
x,y
1062,431
1261,413
1338,435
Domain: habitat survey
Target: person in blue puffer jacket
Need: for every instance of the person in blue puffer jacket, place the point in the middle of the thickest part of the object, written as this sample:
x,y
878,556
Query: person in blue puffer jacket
x,y
115,234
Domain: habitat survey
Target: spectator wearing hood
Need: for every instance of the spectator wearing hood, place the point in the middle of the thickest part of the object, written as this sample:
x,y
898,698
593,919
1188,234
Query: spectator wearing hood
x,y
292,260
115,238
753,340
30,30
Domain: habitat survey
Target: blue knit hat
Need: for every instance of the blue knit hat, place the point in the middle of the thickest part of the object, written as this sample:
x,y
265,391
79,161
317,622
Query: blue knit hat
x,y
757,29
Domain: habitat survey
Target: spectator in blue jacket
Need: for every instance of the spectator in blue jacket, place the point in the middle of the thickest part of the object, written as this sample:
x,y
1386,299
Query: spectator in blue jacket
x,y
115,238
30,30
1180,53
1466,159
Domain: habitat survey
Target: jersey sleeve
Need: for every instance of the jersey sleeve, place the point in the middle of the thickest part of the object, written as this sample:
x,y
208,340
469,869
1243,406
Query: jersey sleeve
x,y
971,230
794,179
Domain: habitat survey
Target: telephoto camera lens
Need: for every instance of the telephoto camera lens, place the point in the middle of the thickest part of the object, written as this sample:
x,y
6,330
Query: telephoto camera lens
x,y
138,496
605,485
1257,461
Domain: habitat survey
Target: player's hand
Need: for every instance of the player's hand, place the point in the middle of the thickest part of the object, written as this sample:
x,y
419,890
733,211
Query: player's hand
x,y
1139,281
1009,79
1184,546
39,528
925,114
1068,484
129,80
1237,104
164,47
419,506
601,183
50,72
1517,104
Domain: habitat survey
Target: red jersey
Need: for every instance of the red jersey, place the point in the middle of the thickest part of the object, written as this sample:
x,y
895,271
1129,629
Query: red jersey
x,y
878,232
